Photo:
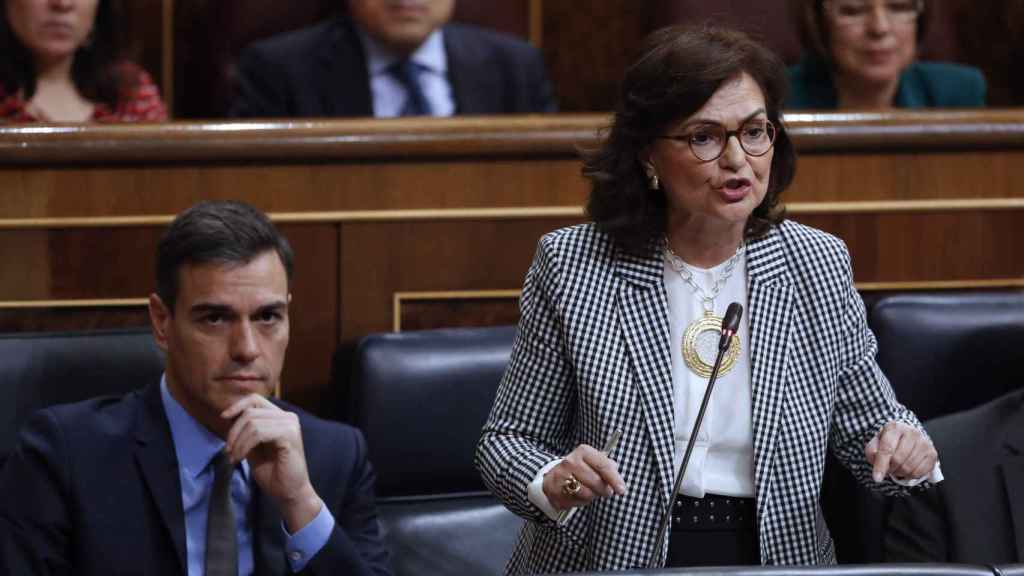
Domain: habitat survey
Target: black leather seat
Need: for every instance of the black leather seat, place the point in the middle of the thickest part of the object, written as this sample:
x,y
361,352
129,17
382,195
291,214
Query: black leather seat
x,y
421,399
948,352
41,369
943,352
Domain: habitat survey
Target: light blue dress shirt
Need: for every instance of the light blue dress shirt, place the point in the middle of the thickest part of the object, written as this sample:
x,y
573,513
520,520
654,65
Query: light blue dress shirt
x,y
195,447
389,96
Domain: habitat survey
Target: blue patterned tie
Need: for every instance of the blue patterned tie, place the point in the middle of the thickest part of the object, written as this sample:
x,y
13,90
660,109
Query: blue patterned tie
x,y
408,73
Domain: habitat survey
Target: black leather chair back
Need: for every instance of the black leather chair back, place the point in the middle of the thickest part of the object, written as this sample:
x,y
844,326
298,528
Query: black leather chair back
x,y
943,352
421,398
947,352
41,369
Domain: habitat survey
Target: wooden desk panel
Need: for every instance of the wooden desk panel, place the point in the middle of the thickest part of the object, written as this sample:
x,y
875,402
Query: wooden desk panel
x,y
413,221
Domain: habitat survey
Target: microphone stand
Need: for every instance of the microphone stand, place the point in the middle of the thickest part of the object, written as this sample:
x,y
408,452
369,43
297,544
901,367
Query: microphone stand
x,y
729,327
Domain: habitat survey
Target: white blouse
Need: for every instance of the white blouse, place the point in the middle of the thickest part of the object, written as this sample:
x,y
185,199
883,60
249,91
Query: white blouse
x,y
722,461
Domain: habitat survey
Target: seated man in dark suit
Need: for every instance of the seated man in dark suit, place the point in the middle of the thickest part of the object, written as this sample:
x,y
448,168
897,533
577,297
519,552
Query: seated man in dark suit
x,y
199,473
392,58
976,515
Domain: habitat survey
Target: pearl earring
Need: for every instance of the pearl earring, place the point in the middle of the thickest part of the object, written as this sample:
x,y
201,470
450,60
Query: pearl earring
x,y
652,176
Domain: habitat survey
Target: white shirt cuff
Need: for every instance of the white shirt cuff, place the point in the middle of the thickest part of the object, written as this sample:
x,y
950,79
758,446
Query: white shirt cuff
x,y
935,476
535,491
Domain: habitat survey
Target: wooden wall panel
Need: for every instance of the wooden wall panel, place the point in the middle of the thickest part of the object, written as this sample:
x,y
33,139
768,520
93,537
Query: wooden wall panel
x,y
509,16
455,310
165,190
379,259
314,313
588,45
930,246
144,34
74,264
59,319
910,175
102,263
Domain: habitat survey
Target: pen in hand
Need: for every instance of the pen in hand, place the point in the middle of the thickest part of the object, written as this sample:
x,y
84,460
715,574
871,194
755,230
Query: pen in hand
x,y
608,449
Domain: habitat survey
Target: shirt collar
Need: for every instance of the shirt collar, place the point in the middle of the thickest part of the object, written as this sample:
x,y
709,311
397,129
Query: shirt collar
x,y
430,54
194,445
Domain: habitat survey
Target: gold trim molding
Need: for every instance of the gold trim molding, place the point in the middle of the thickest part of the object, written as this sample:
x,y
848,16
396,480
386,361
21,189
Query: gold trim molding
x,y
511,213
999,283
67,304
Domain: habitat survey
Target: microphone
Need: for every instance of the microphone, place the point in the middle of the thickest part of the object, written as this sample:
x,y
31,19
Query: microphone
x,y
730,324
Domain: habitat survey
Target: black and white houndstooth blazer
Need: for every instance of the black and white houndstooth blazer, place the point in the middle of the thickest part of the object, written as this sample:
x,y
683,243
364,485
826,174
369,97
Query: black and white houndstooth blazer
x,y
592,355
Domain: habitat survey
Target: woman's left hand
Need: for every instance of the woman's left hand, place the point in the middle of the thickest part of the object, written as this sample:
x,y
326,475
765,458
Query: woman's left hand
x,y
901,450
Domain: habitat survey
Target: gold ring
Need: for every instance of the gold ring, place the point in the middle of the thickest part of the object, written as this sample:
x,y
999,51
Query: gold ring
x,y
571,486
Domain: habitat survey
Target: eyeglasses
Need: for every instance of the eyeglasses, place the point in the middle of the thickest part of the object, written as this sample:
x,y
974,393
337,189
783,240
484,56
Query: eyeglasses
x,y
857,13
708,141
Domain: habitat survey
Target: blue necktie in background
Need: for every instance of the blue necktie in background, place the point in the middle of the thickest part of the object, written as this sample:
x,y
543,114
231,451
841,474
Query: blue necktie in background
x,y
408,73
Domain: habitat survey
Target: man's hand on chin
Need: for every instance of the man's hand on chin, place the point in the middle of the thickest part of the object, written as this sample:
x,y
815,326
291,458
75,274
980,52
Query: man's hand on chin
x,y
271,440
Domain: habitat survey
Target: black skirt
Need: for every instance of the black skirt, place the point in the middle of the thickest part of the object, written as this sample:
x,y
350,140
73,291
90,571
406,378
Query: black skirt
x,y
713,531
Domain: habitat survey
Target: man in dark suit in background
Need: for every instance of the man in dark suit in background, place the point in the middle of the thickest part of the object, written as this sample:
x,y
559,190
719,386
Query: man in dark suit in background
x,y
199,473
392,58
976,515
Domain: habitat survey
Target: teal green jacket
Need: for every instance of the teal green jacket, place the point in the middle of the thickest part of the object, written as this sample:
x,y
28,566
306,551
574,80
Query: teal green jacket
x,y
922,85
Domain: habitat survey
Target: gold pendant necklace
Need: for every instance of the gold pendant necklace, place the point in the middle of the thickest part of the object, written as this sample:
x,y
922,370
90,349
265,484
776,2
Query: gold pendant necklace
x,y
700,346
700,340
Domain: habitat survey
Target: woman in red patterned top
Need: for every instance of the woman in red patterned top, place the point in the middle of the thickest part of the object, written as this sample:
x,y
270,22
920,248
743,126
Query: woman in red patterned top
x,y
60,61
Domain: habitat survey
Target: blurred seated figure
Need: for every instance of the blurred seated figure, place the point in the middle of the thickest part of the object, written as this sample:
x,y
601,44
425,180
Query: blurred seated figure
x,y
977,514
392,58
61,62
861,55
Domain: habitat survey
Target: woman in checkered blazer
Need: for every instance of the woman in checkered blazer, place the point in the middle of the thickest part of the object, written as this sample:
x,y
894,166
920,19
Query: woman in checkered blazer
x,y
619,329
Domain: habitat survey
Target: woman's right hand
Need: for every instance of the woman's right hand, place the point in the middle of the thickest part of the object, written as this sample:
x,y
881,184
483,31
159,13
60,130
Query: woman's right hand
x,y
598,476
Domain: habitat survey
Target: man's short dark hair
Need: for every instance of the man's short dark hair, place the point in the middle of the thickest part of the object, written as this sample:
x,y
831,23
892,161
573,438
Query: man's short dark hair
x,y
216,232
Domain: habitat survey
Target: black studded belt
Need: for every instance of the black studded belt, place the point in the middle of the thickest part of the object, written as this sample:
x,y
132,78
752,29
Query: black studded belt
x,y
713,512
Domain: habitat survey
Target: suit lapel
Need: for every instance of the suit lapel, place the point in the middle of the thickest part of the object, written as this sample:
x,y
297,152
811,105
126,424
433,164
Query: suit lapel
x,y
154,452
268,540
643,308
475,80
346,81
771,300
1012,467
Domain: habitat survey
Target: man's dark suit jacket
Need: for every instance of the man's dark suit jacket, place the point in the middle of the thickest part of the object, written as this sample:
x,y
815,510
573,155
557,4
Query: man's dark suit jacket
x,y
321,71
93,488
975,515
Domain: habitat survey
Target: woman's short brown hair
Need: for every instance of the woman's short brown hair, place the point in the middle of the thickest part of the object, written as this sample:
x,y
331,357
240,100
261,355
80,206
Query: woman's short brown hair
x,y
677,72
810,22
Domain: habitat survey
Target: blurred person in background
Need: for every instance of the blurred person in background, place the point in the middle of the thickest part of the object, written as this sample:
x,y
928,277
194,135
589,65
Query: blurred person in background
x,y
390,58
861,54
62,62
977,515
